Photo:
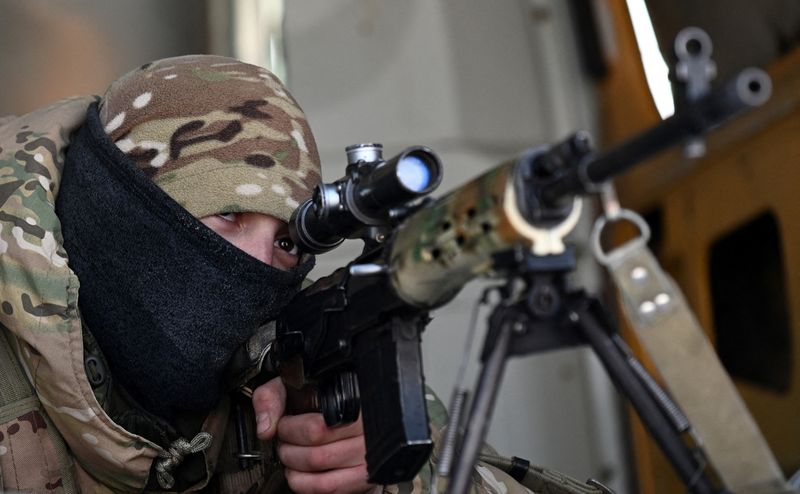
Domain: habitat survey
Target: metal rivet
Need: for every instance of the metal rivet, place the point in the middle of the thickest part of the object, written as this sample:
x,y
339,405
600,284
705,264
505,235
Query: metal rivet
x,y
638,273
662,299
647,307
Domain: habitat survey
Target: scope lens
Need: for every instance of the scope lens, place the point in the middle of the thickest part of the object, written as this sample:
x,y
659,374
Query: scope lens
x,y
414,173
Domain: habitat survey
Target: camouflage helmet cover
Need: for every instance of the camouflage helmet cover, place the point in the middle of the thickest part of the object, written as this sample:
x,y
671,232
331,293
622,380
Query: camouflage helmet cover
x,y
216,134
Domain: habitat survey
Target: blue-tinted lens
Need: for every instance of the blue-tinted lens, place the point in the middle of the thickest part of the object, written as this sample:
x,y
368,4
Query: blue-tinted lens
x,y
413,173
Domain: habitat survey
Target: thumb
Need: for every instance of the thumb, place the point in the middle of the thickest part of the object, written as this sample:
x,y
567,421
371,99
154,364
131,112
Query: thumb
x,y
269,403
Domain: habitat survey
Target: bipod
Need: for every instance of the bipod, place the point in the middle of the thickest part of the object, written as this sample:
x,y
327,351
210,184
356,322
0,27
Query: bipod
x,y
539,312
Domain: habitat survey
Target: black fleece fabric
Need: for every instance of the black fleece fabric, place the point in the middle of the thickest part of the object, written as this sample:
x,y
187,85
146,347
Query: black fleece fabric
x,y
167,299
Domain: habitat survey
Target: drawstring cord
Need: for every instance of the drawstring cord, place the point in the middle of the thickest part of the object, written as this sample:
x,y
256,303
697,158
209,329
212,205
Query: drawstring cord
x,y
173,456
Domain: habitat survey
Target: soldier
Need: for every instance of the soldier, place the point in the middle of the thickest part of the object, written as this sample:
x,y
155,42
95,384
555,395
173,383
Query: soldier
x,y
143,238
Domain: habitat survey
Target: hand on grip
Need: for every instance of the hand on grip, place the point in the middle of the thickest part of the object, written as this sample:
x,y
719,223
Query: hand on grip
x,y
317,458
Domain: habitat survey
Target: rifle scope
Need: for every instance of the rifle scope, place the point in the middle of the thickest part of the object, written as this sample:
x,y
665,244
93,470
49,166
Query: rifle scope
x,y
365,196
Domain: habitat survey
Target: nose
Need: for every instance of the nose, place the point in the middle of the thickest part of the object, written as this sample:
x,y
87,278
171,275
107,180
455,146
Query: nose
x,y
261,246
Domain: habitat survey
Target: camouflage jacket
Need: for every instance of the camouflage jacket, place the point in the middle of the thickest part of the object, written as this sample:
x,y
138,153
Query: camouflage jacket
x,y
61,439
40,310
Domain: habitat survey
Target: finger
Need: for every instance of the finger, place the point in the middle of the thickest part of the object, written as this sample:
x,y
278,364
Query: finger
x,y
269,403
310,429
347,480
340,454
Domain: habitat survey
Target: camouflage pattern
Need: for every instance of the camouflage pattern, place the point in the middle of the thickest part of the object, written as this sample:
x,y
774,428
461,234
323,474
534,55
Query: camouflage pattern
x,y
26,433
38,298
28,458
440,248
218,135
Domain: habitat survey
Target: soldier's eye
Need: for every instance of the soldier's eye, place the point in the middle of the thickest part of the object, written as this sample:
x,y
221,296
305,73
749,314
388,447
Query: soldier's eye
x,y
228,216
286,244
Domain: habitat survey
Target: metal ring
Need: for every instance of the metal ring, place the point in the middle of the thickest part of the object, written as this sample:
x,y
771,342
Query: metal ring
x,y
686,36
745,82
249,456
602,221
350,203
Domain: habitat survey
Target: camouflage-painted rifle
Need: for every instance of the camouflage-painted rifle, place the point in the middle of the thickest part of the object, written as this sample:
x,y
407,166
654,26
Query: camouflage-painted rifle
x,y
356,332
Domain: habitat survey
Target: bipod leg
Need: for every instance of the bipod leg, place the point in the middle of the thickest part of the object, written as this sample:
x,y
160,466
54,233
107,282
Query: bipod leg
x,y
588,317
482,406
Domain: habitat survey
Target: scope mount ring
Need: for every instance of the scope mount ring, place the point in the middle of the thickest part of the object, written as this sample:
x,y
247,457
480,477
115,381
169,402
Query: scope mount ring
x,y
608,258
355,210
545,241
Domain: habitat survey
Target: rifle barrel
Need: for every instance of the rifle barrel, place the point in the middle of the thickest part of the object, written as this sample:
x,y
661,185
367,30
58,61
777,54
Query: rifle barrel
x,y
749,88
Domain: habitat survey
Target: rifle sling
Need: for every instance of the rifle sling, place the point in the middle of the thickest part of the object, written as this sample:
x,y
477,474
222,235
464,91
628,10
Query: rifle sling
x,y
691,370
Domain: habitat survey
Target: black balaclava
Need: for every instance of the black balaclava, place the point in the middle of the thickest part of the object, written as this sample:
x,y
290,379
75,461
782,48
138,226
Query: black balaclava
x,y
167,299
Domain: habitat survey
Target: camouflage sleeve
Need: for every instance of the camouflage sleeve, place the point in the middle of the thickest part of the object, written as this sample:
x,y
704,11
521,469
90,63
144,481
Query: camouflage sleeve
x,y
486,479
